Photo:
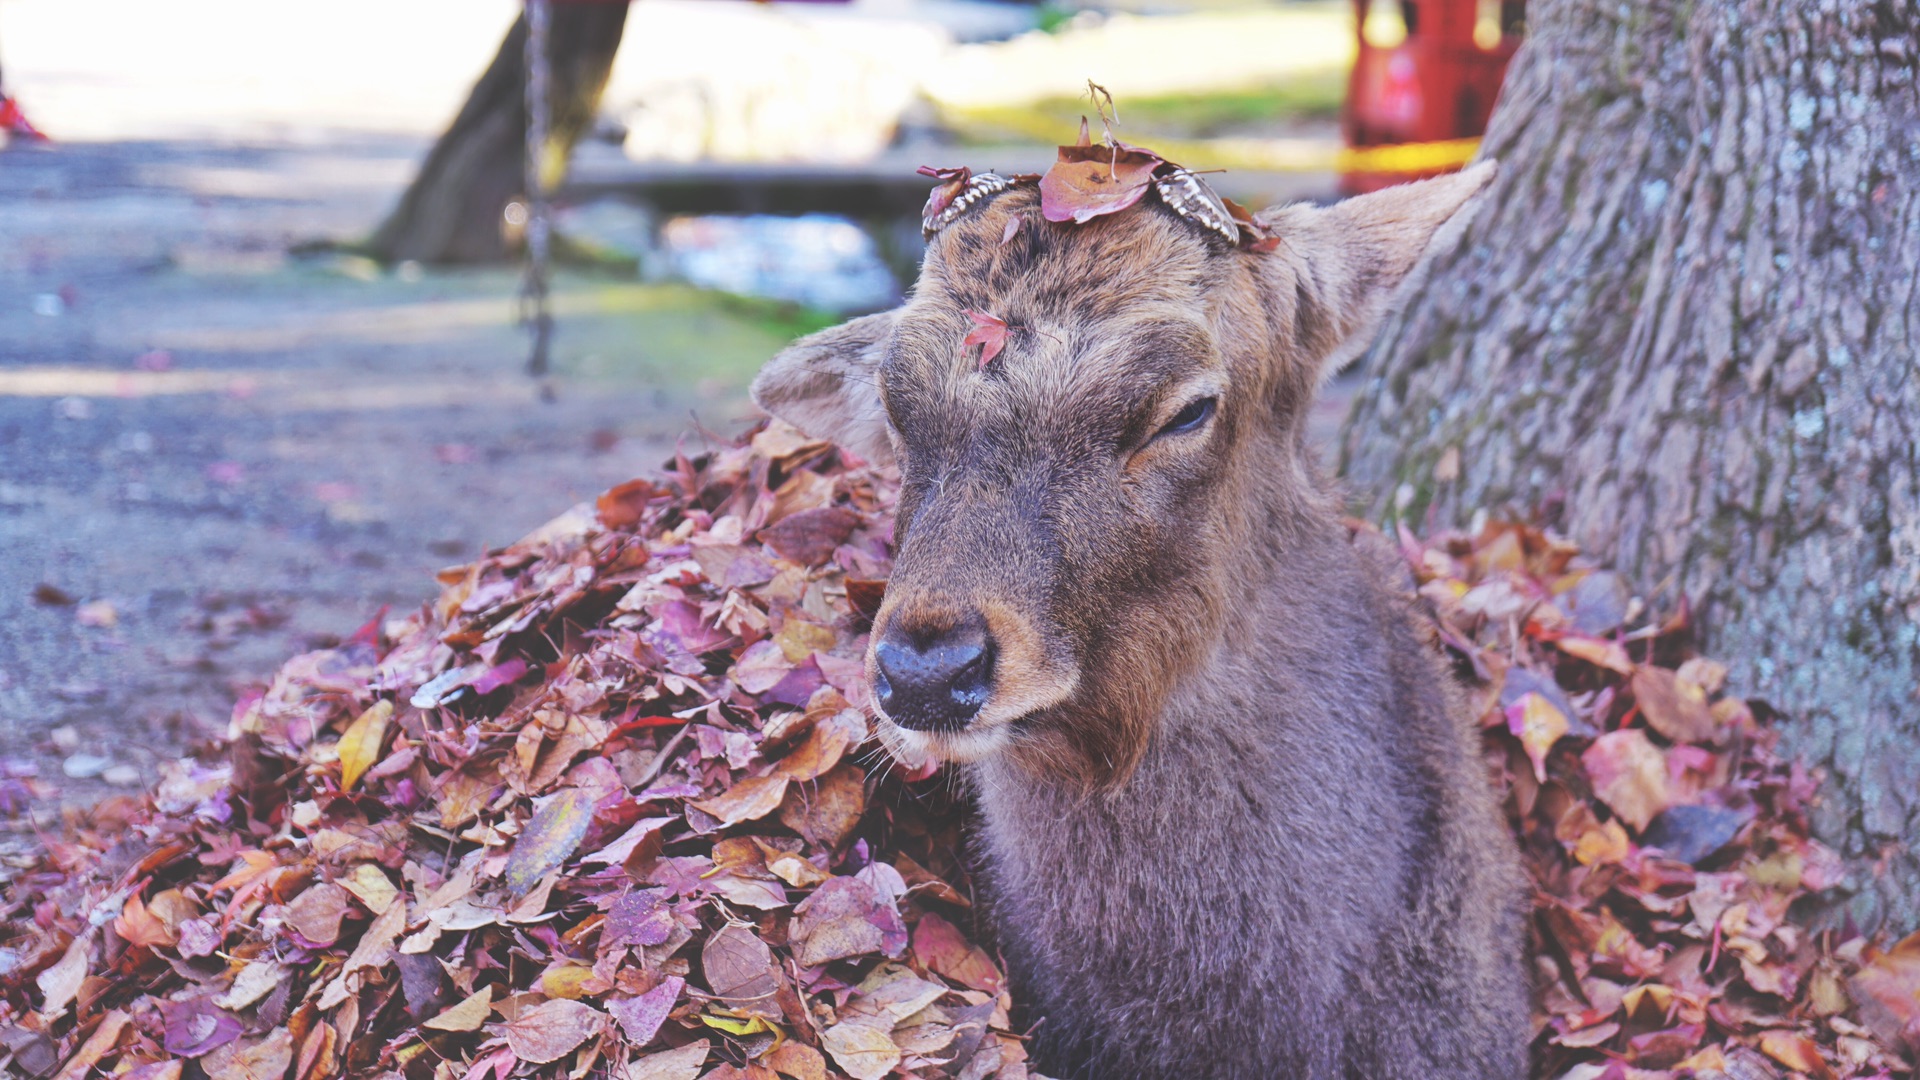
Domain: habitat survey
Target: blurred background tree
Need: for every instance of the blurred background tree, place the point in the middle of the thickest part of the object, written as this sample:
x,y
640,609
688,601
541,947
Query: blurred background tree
x,y
453,210
1685,327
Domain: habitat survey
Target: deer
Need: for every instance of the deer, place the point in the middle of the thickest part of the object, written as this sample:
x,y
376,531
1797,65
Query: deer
x,y
1234,817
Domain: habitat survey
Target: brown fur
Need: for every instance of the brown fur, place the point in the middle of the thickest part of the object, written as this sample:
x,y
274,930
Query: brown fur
x,y
1235,818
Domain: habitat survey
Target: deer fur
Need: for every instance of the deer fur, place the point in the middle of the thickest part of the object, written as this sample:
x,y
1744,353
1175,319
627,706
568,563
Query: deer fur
x,y
1235,818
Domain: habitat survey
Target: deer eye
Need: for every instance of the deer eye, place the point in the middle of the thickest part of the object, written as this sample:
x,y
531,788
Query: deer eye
x,y
1190,418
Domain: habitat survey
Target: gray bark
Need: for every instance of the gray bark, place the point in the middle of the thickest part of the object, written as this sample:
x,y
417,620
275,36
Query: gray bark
x,y
1685,326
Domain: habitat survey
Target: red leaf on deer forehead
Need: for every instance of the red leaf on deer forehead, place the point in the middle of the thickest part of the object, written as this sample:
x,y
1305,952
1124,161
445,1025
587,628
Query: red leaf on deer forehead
x,y
1088,181
989,333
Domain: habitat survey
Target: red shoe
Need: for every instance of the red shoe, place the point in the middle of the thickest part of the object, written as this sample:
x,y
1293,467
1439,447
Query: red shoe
x,y
15,122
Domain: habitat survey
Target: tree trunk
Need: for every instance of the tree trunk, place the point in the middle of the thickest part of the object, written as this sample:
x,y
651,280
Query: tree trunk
x,y
452,212
1684,326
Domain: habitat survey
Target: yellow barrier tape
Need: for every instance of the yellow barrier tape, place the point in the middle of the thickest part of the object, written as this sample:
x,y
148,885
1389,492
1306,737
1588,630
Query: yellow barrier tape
x,y
1408,157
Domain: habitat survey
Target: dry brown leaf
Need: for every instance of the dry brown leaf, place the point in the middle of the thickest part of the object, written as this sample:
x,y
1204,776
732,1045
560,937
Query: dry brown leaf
x,y
553,1030
466,1016
251,1059
371,886
797,1060
827,810
861,1048
1673,707
316,914
1887,988
741,972
831,738
1629,775
555,830
141,927
748,799
941,947
1796,1052
680,1064
61,983
106,1035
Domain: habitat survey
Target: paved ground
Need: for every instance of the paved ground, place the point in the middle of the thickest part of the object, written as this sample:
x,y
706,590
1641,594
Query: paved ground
x,y
212,455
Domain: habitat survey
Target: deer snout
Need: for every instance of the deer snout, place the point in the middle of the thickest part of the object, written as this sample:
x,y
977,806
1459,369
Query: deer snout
x,y
934,680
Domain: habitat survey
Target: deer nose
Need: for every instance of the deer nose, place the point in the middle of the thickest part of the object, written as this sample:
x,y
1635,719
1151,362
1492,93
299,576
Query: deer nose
x,y
934,681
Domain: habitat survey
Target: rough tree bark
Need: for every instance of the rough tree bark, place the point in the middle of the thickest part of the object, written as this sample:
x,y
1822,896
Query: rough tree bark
x,y
451,213
1685,324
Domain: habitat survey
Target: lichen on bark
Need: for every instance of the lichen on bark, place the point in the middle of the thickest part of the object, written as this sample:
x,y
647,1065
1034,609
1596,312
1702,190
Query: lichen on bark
x,y
1685,327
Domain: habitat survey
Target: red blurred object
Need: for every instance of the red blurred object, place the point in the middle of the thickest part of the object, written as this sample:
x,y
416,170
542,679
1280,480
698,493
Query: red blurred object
x,y
1433,86
14,122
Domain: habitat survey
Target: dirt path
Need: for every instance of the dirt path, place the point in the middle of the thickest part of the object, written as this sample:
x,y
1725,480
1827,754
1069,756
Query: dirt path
x,y
212,456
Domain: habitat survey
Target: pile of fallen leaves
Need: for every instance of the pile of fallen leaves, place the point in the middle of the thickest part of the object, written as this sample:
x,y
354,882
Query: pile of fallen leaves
x,y
607,807
1667,843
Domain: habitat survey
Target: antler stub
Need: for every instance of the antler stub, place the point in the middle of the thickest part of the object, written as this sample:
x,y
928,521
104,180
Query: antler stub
x,y
976,189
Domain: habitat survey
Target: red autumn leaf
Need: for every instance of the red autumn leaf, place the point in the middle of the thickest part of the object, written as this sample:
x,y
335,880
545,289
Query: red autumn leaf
x,y
1088,181
944,951
989,333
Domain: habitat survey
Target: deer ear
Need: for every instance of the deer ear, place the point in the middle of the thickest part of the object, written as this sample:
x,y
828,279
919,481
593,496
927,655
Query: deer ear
x,y
828,385
1351,258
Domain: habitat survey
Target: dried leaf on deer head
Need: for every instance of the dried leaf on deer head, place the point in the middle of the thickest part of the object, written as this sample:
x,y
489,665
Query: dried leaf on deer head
x,y
1088,181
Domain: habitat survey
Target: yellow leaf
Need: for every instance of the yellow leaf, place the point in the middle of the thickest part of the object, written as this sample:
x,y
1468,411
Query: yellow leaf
x,y
566,981
752,1025
1795,1051
1538,724
360,746
371,887
466,1016
1605,844
1597,651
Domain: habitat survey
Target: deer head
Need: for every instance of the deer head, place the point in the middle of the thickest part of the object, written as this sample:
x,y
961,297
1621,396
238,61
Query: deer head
x,y
1080,514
